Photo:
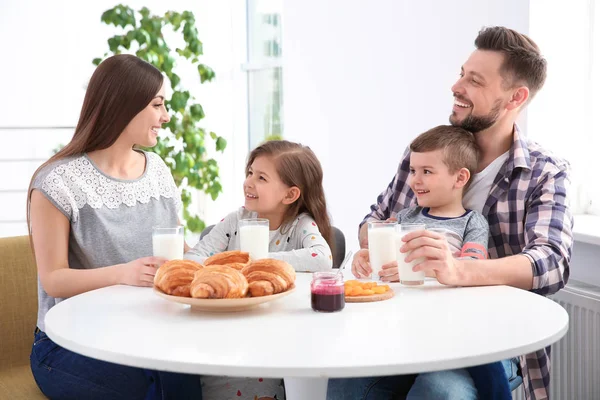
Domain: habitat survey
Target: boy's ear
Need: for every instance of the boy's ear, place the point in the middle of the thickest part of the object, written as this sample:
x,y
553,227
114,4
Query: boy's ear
x,y
292,195
462,177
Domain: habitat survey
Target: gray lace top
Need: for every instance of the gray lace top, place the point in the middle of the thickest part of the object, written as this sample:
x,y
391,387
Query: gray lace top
x,y
111,219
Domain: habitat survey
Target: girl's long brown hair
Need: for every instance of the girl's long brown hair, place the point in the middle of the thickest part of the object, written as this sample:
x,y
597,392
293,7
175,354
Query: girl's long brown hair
x,y
121,87
298,166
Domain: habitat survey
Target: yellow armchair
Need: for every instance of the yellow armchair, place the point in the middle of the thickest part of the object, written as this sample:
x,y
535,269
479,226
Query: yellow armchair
x,y
18,316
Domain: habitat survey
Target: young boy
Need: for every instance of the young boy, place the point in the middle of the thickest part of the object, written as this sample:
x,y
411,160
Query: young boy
x,y
442,161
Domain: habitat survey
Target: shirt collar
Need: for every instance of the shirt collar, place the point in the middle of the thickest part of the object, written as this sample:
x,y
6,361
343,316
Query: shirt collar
x,y
518,157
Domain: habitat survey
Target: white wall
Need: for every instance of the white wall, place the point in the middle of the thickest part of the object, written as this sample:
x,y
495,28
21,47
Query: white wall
x,y
47,51
361,79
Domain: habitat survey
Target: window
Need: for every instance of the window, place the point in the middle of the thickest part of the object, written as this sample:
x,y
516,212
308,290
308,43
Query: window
x,y
265,96
564,116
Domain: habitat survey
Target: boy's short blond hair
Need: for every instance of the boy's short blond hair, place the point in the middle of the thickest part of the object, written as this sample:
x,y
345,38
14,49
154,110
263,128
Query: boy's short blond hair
x,y
459,147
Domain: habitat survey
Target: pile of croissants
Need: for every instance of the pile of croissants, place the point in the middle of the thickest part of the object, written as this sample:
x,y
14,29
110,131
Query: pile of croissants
x,y
227,275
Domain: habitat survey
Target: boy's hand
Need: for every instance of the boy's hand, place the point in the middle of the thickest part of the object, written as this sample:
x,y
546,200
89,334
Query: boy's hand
x,y
361,268
389,272
439,260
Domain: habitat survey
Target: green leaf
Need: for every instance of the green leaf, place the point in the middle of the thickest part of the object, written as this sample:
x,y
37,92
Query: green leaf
x,y
184,53
221,143
179,100
114,43
175,19
214,190
195,224
213,135
206,73
108,16
168,64
96,61
195,47
175,79
140,36
197,112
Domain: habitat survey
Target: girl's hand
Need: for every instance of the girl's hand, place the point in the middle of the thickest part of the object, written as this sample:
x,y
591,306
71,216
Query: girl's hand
x,y
139,272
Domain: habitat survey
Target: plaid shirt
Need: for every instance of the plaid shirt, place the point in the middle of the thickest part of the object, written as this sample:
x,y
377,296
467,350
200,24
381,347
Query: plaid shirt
x,y
528,214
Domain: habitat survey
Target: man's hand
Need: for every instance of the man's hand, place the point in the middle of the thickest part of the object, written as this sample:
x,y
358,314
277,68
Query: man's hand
x,y
438,257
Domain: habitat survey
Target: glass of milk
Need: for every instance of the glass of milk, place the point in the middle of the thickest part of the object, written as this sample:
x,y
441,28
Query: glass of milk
x,y
254,237
382,245
407,275
168,242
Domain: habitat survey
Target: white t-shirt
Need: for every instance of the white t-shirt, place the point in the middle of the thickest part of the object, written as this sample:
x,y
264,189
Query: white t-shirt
x,y
481,184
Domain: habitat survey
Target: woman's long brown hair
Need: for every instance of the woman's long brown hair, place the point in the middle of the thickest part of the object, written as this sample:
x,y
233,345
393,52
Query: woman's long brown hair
x,y
121,87
298,166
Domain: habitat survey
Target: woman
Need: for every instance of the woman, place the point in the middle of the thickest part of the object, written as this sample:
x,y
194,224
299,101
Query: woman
x,y
91,209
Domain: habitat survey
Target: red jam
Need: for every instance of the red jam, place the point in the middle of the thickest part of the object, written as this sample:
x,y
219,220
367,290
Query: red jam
x,y
327,292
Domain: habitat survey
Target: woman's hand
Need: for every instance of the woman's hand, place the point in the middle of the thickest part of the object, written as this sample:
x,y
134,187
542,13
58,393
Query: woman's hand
x,y
140,272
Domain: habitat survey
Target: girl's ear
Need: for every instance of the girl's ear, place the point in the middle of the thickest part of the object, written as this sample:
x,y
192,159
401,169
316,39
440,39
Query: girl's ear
x,y
292,195
462,177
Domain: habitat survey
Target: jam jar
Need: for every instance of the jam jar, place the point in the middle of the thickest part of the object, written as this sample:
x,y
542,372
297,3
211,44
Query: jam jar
x,y
327,292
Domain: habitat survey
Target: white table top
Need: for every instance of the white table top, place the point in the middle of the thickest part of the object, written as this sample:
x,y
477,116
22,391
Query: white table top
x,y
420,329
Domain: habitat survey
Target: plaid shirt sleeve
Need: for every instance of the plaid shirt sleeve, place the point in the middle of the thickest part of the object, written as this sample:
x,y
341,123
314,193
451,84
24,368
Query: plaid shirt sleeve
x,y
395,197
549,229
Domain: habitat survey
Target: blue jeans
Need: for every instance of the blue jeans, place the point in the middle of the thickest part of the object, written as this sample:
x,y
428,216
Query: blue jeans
x,y
449,385
63,374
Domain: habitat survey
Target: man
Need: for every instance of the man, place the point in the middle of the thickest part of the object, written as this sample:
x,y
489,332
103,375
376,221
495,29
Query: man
x,y
520,188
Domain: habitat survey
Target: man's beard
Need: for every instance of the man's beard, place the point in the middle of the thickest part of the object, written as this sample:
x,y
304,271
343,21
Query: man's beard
x,y
474,123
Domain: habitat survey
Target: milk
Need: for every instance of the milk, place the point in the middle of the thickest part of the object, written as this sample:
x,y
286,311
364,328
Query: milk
x,y
407,275
254,239
168,245
382,248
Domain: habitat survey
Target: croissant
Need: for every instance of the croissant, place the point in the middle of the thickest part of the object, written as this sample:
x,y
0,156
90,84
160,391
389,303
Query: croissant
x,y
218,282
235,259
174,277
269,276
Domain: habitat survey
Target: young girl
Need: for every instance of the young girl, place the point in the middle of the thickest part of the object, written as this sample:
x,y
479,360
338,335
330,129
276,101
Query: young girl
x,y
284,185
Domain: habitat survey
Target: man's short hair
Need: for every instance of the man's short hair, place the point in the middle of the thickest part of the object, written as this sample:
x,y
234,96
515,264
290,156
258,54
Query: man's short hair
x,y
523,62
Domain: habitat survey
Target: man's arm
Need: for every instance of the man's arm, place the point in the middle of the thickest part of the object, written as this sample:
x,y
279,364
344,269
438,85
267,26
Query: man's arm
x,y
549,233
542,266
396,192
513,271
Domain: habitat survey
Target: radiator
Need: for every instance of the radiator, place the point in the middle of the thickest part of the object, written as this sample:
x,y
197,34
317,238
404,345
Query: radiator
x,y
576,357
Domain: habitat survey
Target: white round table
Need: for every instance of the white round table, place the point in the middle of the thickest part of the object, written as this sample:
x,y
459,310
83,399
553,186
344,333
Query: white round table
x,y
421,329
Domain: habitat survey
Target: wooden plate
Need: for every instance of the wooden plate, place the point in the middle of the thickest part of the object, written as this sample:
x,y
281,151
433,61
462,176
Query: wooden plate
x,y
372,297
223,305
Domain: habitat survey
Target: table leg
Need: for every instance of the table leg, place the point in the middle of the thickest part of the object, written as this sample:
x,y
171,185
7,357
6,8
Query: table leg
x,y
306,388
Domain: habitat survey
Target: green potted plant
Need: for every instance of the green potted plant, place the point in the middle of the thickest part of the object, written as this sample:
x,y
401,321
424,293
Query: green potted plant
x,y
184,150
